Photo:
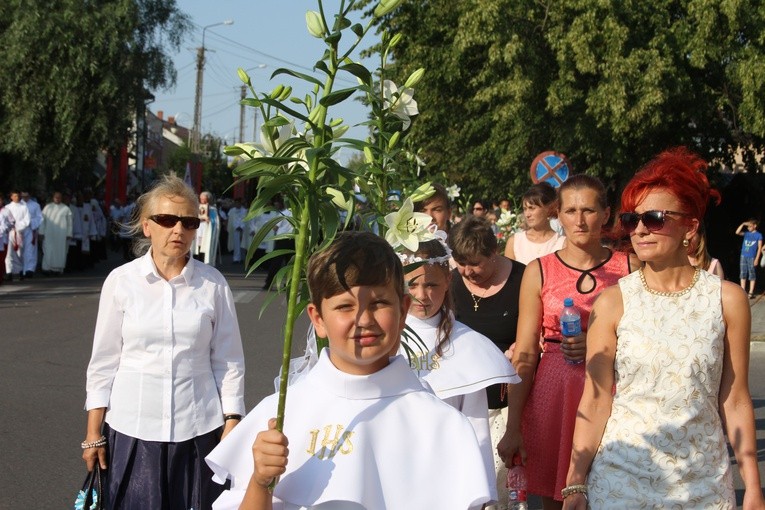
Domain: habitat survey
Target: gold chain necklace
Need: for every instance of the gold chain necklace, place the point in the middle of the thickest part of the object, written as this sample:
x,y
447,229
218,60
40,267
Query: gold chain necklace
x,y
477,299
666,293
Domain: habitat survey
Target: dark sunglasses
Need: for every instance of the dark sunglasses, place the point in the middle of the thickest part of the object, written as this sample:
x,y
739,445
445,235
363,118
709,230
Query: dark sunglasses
x,y
171,220
652,220
478,209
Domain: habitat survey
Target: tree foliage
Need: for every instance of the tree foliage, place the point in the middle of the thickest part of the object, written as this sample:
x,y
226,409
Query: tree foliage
x,y
72,74
608,82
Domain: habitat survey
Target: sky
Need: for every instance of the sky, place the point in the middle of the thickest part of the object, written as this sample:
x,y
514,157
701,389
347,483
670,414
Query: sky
x,y
265,35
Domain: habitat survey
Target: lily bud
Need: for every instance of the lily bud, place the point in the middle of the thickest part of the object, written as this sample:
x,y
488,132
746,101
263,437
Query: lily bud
x,y
276,92
314,115
335,122
421,193
243,76
285,93
368,157
394,40
314,23
394,139
340,131
385,6
414,78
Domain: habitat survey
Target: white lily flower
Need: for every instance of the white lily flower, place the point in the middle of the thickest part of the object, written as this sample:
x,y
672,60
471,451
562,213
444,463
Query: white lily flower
x,y
506,218
401,103
283,133
453,191
407,228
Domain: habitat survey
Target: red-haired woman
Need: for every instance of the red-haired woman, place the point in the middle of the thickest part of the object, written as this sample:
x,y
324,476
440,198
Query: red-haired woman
x,y
674,339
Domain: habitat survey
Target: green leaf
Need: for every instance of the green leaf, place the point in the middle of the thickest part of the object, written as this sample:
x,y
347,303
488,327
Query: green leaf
x,y
343,22
250,101
358,30
359,71
333,38
331,223
302,76
337,97
322,66
277,121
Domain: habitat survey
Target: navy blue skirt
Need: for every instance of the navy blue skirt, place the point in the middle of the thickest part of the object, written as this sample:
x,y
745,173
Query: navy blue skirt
x,y
145,475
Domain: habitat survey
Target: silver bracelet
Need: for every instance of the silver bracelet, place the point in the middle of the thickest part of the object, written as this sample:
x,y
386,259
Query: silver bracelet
x,y
101,441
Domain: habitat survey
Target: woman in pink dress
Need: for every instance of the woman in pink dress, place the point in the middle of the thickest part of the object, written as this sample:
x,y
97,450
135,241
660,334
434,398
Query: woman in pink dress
x,y
542,408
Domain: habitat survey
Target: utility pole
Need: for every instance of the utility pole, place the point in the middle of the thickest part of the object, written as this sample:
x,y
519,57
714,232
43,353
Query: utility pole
x,y
195,134
198,100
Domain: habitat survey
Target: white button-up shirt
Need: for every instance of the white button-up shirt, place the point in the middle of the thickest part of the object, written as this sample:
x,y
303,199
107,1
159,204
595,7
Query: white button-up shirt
x,y
167,356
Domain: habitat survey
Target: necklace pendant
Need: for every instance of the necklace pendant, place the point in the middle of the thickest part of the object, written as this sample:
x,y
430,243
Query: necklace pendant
x,y
475,307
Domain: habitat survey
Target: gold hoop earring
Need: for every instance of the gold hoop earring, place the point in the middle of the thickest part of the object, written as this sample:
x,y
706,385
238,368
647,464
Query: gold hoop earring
x,y
685,242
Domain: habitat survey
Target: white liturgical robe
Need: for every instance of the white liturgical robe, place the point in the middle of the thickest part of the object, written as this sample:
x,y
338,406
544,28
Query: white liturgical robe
x,y
56,229
374,442
469,362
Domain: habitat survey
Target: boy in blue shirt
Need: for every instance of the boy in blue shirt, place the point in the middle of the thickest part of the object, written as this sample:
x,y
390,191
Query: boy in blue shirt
x,y
751,249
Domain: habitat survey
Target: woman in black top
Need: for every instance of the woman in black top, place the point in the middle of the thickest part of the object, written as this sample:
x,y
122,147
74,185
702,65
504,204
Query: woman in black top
x,y
486,287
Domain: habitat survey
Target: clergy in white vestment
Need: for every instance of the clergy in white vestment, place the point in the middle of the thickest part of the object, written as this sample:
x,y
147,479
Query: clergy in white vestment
x,y
235,227
206,241
55,232
89,231
6,225
14,260
74,254
30,236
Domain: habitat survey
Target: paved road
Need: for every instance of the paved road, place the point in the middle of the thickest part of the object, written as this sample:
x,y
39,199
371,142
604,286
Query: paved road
x,y
47,326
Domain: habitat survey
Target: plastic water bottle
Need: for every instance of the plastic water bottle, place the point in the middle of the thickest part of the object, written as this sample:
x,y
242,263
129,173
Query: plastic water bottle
x,y
570,322
516,488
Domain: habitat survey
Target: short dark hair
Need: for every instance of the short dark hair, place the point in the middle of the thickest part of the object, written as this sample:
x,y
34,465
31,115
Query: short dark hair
x,y
540,194
471,238
353,259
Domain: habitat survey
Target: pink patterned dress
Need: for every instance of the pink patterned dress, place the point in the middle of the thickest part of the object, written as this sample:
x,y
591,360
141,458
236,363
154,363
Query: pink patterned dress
x,y
550,411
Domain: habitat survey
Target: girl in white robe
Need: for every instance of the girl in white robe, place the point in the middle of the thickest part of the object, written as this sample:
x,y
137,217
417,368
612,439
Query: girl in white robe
x,y
457,362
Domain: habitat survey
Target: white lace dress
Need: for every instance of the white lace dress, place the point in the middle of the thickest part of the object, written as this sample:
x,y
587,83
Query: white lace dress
x,y
663,445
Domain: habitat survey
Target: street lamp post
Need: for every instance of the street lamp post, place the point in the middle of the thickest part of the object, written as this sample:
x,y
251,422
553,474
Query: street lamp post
x,y
195,135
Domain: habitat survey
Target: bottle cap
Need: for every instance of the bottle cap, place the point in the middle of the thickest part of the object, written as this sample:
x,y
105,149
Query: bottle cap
x,y
568,302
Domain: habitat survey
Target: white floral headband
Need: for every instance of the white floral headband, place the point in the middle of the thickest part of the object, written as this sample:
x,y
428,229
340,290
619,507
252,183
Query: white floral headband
x,y
439,235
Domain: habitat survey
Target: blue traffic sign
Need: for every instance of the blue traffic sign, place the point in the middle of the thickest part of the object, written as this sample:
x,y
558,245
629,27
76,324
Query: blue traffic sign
x,y
550,167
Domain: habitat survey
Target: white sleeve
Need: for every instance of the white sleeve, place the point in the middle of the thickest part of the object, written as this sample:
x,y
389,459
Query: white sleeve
x,y
107,346
227,356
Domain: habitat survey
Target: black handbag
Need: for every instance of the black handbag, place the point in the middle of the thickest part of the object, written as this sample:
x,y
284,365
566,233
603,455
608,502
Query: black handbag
x,y
91,495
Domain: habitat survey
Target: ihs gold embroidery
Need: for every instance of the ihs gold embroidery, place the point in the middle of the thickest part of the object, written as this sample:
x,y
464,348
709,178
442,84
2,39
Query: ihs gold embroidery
x,y
330,447
423,364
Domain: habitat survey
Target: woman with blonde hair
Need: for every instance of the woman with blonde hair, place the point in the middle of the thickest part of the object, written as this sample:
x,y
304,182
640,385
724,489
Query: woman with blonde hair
x,y
166,376
699,256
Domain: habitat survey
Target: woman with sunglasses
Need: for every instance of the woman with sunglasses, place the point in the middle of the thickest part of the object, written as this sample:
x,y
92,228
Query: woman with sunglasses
x,y
542,408
165,378
667,364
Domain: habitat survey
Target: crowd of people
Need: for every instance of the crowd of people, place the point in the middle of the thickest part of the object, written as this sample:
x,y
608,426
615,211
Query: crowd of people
x,y
631,411
69,232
